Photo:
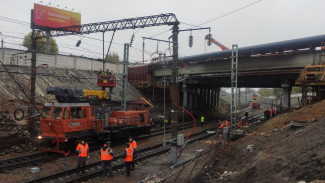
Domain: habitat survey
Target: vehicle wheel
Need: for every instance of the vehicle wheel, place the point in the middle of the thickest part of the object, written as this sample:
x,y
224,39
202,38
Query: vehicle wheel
x,y
19,114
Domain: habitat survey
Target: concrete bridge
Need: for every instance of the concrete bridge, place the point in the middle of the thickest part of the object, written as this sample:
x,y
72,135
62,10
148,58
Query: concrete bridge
x,y
273,65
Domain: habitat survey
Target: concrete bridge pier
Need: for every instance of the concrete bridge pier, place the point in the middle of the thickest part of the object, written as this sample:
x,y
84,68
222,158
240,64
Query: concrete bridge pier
x,y
194,97
286,90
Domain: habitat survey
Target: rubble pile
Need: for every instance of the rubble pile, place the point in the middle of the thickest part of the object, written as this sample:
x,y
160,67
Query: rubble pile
x,y
287,148
16,137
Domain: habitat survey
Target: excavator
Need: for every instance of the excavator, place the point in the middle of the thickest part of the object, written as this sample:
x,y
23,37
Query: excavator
x,y
212,40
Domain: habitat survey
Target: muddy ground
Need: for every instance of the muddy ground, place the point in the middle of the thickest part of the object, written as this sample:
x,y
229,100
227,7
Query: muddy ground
x,y
275,151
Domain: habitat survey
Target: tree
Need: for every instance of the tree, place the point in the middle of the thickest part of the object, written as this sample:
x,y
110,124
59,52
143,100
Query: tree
x,y
267,92
113,58
40,44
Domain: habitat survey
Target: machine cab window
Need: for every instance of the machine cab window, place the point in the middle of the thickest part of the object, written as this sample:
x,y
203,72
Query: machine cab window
x,y
75,112
46,112
56,114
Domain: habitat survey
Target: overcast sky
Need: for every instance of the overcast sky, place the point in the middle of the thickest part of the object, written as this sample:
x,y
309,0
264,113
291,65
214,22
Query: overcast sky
x,y
263,22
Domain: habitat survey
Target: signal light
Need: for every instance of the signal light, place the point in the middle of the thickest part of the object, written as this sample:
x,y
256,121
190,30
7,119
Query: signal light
x,y
209,39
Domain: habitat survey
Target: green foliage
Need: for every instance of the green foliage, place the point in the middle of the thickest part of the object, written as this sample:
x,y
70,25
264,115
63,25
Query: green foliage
x,y
113,58
296,89
40,44
270,92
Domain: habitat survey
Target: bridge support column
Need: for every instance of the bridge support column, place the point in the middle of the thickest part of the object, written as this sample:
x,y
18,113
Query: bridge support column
x,y
217,97
201,98
195,98
286,89
190,98
207,91
212,98
185,95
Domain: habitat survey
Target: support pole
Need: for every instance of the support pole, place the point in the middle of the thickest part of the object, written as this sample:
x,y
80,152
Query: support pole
x,y
32,85
103,51
125,75
234,67
48,41
174,83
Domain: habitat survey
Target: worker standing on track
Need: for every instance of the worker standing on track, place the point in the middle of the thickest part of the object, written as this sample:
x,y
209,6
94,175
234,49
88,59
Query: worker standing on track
x,y
106,155
166,121
134,145
246,118
226,123
273,112
83,152
128,158
220,125
202,121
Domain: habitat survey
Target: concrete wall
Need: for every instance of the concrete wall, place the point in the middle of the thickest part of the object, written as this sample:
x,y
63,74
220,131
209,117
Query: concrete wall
x,y
19,57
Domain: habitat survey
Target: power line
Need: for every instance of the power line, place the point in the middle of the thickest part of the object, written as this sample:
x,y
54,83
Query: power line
x,y
234,11
221,16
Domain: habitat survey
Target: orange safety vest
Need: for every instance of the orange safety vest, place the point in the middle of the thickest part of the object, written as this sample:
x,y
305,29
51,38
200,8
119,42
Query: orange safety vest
x,y
129,154
104,155
133,144
227,123
240,124
83,150
220,124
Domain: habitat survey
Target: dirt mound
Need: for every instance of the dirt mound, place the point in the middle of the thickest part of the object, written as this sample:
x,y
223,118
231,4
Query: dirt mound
x,y
282,155
307,114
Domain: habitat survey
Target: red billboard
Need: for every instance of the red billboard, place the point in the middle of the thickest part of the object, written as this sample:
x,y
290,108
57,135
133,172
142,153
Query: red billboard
x,y
45,16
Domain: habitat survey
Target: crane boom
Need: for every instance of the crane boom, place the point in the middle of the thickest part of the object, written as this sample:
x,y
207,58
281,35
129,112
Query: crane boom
x,y
223,47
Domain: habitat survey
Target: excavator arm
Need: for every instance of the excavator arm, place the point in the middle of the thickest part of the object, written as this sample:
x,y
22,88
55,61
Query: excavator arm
x,y
209,37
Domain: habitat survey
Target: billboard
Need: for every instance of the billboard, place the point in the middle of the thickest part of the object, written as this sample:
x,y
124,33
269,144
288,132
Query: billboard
x,y
49,17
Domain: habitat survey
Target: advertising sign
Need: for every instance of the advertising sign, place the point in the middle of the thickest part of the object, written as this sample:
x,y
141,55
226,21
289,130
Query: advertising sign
x,y
45,16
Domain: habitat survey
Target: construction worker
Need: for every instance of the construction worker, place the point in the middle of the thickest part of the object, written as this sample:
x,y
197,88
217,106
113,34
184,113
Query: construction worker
x,y
108,72
134,145
166,121
246,118
240,124
106,155
226,123
220,125
128,158
267,114
83,152
273,112
202,121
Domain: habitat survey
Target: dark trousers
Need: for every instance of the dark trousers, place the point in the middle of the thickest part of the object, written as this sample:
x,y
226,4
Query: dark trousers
x,y
132,165
128,167
202,123
81,164
107,167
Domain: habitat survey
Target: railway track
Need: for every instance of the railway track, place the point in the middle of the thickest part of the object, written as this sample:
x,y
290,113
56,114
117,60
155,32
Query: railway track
x,y
94,170
41,157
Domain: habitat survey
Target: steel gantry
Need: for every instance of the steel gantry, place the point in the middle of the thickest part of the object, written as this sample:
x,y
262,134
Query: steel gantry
x,y
123,24
114,25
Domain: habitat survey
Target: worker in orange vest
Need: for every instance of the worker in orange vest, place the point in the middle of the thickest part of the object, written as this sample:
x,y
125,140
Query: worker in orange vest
x,y
83,152
226,123
128,158
134,145
106,155
240,124
220,125
273,112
